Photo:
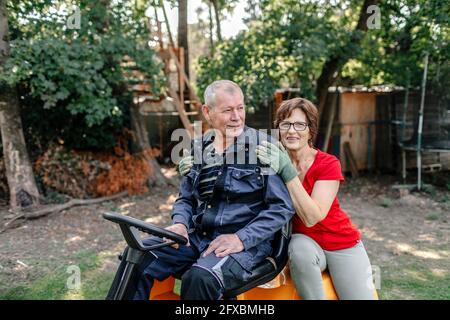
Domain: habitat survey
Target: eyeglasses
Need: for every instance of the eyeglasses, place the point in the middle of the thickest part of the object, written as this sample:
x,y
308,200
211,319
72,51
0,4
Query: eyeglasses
x,y
298,126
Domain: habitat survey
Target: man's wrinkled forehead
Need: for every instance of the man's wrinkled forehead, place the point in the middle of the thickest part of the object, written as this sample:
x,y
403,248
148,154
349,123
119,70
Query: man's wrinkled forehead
x,y
229,98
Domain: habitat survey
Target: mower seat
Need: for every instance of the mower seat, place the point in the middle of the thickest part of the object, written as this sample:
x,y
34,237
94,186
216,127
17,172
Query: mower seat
x,y
269,268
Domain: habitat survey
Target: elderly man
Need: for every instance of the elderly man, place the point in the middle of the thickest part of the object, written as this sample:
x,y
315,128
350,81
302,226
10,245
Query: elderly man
x,y
229,207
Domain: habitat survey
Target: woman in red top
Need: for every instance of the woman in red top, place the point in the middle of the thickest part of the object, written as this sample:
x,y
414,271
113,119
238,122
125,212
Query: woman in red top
x,y
323,234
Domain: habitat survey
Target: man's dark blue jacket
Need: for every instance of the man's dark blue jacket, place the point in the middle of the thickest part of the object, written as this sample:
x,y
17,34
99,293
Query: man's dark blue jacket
x,y
249,199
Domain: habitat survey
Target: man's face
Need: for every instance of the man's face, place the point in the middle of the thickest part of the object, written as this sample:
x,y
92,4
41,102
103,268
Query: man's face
x,y
228,115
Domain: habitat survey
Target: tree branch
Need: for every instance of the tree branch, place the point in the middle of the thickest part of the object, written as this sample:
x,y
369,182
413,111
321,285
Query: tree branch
x,y
46,210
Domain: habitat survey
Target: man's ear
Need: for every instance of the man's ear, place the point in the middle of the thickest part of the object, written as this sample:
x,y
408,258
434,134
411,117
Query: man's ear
x,y
206,110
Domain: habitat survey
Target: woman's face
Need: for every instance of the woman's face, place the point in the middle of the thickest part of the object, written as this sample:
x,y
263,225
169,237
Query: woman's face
x,y
295,140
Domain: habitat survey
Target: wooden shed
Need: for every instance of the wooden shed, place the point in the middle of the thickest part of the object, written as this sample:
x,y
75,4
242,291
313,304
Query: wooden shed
x,y
371,123
356,124
361,134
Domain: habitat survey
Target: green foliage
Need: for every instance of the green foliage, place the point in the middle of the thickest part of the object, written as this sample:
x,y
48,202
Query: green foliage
x,y
252,61
286,45
385,202
433,216
289,41
78,77
394,53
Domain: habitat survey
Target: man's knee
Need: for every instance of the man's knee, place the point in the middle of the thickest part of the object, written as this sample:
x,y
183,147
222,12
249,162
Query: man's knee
x,y
200,284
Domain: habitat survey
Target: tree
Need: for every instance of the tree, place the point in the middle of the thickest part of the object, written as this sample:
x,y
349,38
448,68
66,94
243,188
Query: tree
x,y
331,70
314,45
219,6
216,4
183,32
22,185
394,52
78,77
211,26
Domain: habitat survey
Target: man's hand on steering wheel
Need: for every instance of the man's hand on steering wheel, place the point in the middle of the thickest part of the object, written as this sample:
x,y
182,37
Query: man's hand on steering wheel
x,y
180,229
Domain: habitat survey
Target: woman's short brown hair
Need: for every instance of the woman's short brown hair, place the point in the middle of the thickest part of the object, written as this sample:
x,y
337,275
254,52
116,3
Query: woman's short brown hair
x,y
308,108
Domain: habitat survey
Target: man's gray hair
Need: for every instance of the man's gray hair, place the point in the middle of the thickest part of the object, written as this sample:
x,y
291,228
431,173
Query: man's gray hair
x,y
228,86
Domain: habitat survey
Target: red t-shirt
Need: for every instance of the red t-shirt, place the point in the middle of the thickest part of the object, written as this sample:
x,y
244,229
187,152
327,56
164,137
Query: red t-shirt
x,y
336,231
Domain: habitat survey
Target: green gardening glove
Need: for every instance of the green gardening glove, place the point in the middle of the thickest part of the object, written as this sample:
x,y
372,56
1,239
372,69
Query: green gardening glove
x,y
185,164
278,159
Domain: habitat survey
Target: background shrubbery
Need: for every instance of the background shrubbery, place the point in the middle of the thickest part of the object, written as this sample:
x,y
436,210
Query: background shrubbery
x,y
74,86
288,43
73,83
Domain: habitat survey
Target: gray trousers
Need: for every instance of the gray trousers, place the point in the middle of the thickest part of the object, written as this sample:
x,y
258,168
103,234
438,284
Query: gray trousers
x,y
350,270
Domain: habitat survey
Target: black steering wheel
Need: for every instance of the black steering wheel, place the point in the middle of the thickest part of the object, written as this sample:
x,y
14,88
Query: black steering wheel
x,y
129,227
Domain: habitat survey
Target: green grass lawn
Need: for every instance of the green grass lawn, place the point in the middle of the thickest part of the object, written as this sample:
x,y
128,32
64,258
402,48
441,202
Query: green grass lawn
x,y
53,286
415,280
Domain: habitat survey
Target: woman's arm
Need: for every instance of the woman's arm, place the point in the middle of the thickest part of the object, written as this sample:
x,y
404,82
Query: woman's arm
x,y
313,209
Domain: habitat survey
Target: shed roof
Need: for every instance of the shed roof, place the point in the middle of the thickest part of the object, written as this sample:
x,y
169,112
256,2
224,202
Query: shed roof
x,y
362,88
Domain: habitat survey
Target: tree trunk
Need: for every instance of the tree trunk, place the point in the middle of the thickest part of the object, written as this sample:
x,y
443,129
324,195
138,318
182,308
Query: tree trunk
x,y
217,14
19,172
183,32
332,68
143,143
211,25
